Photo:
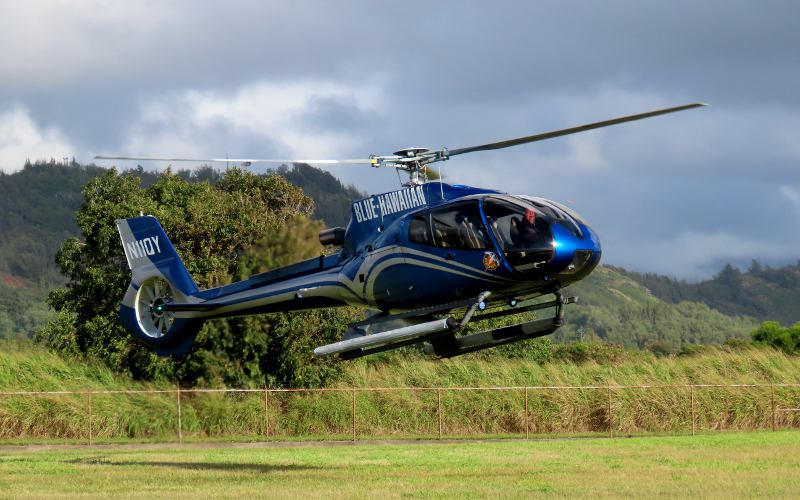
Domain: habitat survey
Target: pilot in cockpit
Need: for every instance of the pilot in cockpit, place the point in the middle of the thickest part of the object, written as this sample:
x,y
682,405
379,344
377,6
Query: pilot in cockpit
x,y
524,232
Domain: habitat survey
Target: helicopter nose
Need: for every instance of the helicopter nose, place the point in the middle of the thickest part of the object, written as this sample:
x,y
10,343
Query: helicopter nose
x,y
575,256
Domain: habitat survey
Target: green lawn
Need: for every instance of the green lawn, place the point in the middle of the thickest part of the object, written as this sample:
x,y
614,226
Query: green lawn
x,y
738,464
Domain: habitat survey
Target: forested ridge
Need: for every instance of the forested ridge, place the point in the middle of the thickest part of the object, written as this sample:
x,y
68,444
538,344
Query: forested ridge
x,y
38,204
616,308
638,310
763,292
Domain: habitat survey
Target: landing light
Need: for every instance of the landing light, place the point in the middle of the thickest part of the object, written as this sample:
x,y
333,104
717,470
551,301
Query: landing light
x,y
579,260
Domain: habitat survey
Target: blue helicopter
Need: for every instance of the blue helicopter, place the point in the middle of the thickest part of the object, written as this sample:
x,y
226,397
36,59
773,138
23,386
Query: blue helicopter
x,y
426,259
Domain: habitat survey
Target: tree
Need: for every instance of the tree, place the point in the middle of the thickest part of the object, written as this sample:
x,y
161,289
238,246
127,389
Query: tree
x,y
222,233
772,333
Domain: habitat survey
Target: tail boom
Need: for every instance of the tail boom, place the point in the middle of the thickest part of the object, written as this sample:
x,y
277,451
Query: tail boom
x,y
164,308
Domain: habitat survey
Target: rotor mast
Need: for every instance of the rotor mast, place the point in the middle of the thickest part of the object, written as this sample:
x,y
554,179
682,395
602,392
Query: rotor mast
x,y
409,159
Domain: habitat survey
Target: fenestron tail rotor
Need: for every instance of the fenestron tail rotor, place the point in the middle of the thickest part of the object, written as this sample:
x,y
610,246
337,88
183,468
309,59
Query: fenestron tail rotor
x,y
414,160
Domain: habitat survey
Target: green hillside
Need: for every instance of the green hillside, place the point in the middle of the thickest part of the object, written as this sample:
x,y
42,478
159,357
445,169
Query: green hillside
x,y
763,292
332,198
38,204
22,307
616,308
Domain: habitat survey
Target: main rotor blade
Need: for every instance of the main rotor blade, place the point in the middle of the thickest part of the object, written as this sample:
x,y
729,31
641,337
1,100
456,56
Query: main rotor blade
x,y
230,160
572,130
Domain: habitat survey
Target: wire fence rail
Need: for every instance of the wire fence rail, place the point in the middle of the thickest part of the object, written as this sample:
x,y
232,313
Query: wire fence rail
x,y
92,416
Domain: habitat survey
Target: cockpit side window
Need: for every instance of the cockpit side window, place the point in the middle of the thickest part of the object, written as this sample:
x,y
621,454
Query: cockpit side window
x,y
418,230
515,226
459,227
522,230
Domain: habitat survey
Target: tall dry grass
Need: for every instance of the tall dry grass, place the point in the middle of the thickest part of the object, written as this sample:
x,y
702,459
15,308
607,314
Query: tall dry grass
x,y
415,391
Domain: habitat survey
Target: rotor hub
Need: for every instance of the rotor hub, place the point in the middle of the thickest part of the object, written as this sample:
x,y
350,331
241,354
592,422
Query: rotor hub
x,y
410,152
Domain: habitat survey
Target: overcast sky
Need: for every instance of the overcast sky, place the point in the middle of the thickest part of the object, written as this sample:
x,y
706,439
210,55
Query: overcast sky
x,y
679,194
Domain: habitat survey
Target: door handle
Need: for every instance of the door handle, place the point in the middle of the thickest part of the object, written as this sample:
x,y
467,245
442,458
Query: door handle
x,y
450,255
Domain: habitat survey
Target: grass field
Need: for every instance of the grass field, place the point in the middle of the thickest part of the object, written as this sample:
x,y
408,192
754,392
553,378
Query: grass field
x,y
726,464
397,414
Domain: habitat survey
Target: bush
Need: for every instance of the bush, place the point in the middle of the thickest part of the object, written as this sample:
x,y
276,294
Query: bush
x,y
660,348
773,334
582,352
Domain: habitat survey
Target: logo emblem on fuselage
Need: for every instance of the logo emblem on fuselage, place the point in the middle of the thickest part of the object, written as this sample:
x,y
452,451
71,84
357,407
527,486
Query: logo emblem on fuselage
x,y
379,206
490,261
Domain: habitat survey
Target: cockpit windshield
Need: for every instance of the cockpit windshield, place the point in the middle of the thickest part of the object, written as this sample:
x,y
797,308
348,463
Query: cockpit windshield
x,y
558,213
522,230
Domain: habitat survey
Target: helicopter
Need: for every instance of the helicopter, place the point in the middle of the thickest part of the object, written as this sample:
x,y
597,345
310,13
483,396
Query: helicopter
x,y
427,259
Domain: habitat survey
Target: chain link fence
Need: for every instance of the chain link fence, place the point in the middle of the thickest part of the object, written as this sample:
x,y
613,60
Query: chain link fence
x,y
180,415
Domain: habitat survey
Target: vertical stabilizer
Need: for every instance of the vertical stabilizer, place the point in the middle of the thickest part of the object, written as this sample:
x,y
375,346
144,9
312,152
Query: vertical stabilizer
x,y
158,277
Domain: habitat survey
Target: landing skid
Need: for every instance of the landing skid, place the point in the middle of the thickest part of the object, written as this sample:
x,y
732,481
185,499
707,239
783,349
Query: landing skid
x,y
452,345
439,335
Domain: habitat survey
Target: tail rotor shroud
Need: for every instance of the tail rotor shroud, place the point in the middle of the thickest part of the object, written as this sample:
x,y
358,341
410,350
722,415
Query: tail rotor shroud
x,y
154,320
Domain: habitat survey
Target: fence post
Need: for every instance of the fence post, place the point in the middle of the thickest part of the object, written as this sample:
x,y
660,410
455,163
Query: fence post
x,y
772,390
694,418
354,413
610,416
180,421
90,416
266,412
527,414
439,410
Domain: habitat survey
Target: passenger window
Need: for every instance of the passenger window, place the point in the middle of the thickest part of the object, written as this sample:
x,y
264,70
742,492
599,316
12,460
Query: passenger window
x,y
418,230
459,227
